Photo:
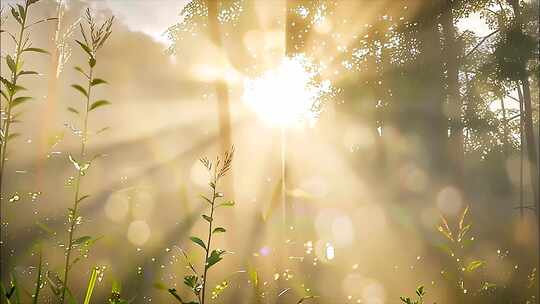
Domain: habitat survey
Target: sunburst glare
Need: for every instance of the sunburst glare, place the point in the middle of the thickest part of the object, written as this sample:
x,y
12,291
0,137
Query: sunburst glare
x,y
289,95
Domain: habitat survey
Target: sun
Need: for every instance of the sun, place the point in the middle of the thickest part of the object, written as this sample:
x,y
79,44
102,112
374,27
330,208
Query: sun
x,y
288,95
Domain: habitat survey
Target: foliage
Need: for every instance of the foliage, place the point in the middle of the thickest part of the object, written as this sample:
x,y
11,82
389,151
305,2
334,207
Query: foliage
x,y
197,281
420,293
116,292
11,100
194,19
11,89
94,37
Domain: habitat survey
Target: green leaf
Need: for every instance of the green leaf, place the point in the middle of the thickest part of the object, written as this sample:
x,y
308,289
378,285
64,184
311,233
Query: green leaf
x,y
92,62
19,100
17,292
115,297
85,48
219,230
116,286
191,281
28,73
37,50
80,89
227,204
98,104
207,218
39,279
173,292
206,199
102,130
15,15
198,241
91,285
214,258
97,81
17,88
80,70
82,240
7,293
83,198
7,84
11,64
420,291
475,265
73,110
22,11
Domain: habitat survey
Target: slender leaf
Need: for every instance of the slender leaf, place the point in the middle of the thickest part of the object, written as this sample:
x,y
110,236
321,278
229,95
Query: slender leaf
x,y
37,50
16,15
80,89
11,64
82,240
214,258
82,198
227,204
85,48
219,230
35,296
99,103
97,81
73,110
28,73
80,70
19,100
198,241
17,291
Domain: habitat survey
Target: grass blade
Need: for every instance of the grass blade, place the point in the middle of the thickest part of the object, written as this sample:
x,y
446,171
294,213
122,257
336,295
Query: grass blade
x,y
91,285
39,278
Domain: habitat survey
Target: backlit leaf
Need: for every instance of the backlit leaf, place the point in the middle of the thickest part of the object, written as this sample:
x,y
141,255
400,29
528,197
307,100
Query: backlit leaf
x,y
80,89
198,241
219,230
97,81
37,50
99,103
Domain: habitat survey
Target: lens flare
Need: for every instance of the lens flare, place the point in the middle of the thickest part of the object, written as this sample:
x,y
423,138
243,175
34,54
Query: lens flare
x,y
288,95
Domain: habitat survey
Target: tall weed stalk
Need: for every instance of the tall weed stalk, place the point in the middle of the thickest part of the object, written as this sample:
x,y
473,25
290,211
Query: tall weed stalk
x,y
197,282
11,86
11,99
94,37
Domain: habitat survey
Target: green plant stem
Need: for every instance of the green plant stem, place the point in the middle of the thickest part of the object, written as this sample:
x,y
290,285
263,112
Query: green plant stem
x,y
7,121
209,241
39,278
74,211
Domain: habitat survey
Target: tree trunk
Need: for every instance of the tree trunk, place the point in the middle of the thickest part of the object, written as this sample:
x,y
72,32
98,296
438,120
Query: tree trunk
x,y
455,103
527,119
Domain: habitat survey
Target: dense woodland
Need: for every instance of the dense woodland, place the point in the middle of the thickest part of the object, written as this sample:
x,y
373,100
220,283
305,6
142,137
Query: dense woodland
x,y
135,171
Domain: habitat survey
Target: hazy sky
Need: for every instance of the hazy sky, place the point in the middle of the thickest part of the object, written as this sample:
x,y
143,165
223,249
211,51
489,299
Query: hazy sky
x,y
153,17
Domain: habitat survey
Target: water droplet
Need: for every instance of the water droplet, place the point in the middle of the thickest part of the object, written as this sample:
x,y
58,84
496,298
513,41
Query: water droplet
x,y
14,198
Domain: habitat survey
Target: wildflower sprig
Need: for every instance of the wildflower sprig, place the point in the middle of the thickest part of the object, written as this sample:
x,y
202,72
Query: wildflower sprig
x,y
11,91
94,36
197,282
